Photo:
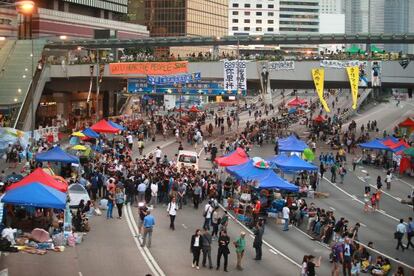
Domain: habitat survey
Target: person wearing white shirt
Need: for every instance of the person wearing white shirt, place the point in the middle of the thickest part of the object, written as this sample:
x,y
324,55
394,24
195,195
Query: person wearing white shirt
x,y
158,154
286,212
208,210
388,178
154,194
399,234
130,140
172,211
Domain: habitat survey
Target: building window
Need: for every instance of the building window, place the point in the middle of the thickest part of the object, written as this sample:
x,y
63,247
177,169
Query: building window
x,y
258,29
271,6
247,28
247,21
259,13
235,13
259,6
258,21
235,20
246,13
235,5
270,14
270,29
235,28
270,21
247,5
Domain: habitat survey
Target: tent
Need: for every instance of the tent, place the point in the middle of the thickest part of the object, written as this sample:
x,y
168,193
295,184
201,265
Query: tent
x,y
374,145
36,195
294,163
39,175
90,133
274,181
297,102
104,126
319,119
292,144
237,157
248,172
118,126
56,154
277,159
354,50
408,123
396,146
375,49
194,109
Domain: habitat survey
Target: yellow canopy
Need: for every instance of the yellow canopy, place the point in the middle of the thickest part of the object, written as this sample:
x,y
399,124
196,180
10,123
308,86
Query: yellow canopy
x,y
79,147
78,134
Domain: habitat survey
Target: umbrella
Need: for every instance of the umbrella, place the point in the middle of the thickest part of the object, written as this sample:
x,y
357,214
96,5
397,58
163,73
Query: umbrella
x,y
78,134
409,152
262,164
79,147
13,177
308,154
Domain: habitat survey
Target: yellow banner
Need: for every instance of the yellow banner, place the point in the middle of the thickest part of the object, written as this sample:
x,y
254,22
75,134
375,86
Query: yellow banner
x,y
318,76
353,75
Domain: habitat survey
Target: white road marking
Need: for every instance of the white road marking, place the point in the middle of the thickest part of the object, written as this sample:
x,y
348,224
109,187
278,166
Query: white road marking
x,y
265,242
80,273
405,182
274,252
332,208
251,236
185,226
310,237
384,192
363,225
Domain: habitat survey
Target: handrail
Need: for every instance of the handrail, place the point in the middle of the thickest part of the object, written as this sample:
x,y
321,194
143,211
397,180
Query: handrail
x,y
12,49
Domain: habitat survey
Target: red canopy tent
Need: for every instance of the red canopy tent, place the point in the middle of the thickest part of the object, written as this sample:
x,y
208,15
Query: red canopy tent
x,y
237,157
194,109
319,119
408,122
392,145
39,175
297,102
104,127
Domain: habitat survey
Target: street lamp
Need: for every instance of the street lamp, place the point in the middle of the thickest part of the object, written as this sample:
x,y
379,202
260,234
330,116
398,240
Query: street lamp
x,y
25,7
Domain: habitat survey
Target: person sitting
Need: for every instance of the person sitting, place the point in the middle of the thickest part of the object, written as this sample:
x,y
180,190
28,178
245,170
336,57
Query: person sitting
x,y
382,267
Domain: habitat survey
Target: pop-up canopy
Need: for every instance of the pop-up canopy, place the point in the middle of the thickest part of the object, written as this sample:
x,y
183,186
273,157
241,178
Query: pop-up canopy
x,y
294,164
292,143
118,126
36,195
248,171
56,154
274,181
297,102
39,175
374,145
104,127
90,133
237,157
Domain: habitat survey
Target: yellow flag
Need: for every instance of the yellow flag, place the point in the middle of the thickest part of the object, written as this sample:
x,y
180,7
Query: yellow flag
x,y
353,75
318,76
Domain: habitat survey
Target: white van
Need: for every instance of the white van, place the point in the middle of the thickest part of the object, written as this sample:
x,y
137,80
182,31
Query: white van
x,y
187,159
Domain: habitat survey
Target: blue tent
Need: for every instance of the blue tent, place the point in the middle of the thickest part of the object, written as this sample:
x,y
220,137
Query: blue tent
x,y
288,139
56,154
118,126
295,164
36,195
374,145
248,172
90,133
274,181
392,138
292,143
277,159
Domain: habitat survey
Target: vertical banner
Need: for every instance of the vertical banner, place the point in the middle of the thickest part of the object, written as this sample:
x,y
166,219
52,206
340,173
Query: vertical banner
x,y
376,73
353,75
318,76
235,75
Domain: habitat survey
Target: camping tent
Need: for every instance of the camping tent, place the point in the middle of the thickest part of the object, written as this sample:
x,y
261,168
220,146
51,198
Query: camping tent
x,y
39,175
56,154
248,172
104,127
115,125
37,195
297,102
295,164
374,145
237,157
90,133
274,181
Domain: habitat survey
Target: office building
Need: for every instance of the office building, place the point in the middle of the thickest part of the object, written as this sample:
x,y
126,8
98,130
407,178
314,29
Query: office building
x,y
331,21
299,17
250,17
331,6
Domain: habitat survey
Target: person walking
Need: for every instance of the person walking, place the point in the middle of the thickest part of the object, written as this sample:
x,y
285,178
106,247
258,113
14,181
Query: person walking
x,y
197,192
223,249
119,201
208,210
195,248
388,179
333,173
172,212
240,245
312,264
154,194
399,234
410,232
149,222
286,212
111,199
342,173
215,221
258,239
206,248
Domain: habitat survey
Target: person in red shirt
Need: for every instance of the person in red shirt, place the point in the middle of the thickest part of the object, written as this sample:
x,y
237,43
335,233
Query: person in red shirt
x,y
256,211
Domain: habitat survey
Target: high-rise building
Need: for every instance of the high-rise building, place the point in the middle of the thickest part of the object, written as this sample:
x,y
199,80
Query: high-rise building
x,y
331,6
380,16
331,21
299,17
252,17
186,17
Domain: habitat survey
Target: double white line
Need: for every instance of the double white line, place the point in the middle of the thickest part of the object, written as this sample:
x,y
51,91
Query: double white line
x,y
146,254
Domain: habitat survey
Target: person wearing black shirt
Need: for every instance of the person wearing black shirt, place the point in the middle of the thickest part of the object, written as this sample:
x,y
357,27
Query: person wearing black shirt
x,y
258,240
223,249
311,265
142,212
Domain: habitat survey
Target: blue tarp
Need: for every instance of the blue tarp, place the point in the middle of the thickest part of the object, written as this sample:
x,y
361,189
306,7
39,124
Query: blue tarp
x,y
118,126
274,181
56,154
36,195
90,133
374,145
248,172
294,164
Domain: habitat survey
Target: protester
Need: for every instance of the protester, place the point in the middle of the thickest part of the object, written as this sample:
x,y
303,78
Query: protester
x,y
223,249
119,201
399,234
240,245
149,222
258,239
206,248
196,243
